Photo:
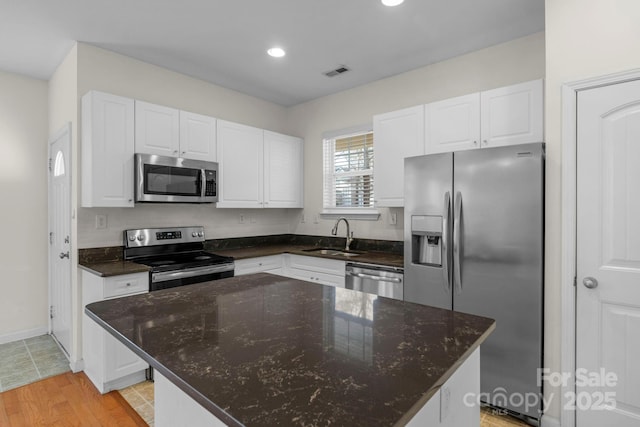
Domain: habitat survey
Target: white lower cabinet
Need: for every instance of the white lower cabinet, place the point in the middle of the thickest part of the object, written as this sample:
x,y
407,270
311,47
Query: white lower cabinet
x,y
264,264
456,402
108,363
312,269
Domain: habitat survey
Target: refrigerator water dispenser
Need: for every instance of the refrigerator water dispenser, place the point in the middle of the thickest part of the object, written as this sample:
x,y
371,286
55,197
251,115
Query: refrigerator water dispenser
x,y
426,236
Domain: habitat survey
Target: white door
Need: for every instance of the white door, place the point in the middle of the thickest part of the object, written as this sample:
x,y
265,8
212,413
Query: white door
x,y
397,135
197,137
283,174
453,124
608,256
59,237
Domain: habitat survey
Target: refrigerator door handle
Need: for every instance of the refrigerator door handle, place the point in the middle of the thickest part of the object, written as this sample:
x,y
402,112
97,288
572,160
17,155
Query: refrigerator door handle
x,y
445,241
457,243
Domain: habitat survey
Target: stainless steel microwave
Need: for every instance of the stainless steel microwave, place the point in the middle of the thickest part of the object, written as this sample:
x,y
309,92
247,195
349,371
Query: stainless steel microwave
x,y
175,180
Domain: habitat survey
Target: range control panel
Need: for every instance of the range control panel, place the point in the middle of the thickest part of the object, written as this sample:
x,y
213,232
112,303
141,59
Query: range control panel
x,y
162,236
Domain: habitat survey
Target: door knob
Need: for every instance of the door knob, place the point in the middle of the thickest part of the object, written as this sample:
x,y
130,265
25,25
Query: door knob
x,y
590,282
64,255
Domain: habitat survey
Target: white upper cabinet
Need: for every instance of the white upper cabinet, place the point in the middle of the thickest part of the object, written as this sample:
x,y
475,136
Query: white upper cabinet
x,y
505,116
240,157
283,171
258,169
107,150
197,137
157,129
512,114
453,124
397,135
167,131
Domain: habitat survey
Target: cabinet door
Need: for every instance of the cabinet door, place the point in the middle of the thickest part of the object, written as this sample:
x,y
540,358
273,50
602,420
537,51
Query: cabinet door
x,y
513,114
453,124
397,135
119,360
107,150
283,171
270,264
197,137
157,129
240,165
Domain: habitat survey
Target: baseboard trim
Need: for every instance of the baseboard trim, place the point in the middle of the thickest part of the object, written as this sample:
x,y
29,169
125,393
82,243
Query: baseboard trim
x,y
23,335
547,421
76,365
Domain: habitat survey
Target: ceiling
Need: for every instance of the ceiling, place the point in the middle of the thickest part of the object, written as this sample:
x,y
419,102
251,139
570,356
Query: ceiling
x,y
225,43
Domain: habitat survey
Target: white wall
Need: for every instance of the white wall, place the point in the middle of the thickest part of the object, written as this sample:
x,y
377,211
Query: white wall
x,y
513,62
103,70
585,38
23,191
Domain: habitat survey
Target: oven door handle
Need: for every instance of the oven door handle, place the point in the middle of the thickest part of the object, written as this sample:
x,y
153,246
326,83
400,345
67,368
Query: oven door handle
x,y
165,276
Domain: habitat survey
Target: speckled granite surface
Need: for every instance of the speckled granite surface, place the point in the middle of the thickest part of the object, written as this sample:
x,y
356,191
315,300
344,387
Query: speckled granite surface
x,y
114,268
385,252
263,350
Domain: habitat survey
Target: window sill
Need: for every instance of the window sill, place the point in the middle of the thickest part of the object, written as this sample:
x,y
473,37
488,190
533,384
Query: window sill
x,y
353,214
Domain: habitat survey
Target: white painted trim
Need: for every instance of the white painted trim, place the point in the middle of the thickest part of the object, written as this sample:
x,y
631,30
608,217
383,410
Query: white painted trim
x,y
23,335
76,365
569,216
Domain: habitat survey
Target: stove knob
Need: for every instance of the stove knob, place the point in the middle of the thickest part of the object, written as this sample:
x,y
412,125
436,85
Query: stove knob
x,y
200,234
140,237
132,238
194,234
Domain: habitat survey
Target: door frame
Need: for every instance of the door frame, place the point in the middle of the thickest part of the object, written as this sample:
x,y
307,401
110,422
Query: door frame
x,y
66,129
569,218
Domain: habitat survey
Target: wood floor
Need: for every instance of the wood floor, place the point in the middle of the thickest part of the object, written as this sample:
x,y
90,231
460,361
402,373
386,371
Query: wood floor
x,y
65,400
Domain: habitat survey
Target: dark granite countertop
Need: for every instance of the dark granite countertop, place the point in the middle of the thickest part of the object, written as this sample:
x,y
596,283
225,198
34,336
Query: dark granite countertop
x,y
113,268
366,257
264,350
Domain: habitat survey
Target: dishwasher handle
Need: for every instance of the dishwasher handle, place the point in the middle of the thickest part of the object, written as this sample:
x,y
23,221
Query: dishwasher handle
x,y
376,278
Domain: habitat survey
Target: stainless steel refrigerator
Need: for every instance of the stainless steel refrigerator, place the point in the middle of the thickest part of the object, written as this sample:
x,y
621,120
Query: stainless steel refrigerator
x,y
474,236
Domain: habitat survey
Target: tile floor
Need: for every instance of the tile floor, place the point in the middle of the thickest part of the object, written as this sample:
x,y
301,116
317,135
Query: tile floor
x,y
27,361
140,397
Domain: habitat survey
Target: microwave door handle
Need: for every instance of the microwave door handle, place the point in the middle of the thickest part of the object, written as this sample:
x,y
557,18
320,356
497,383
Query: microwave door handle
x,y
203,182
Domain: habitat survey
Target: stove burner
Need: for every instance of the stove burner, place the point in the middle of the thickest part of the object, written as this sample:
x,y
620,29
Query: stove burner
x,y
202,257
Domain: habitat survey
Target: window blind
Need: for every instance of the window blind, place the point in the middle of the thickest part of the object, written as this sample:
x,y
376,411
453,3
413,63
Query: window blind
x,y
348,171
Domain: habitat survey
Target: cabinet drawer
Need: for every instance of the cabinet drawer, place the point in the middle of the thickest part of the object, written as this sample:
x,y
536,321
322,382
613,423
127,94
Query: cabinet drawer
x,y
316,277
256,265
319,265
127,284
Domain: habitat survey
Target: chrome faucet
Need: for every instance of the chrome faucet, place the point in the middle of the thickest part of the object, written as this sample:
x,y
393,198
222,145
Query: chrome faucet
x,y
334,231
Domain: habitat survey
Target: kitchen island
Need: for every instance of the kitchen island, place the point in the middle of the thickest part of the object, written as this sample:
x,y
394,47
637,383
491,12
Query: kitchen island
x,y
267,350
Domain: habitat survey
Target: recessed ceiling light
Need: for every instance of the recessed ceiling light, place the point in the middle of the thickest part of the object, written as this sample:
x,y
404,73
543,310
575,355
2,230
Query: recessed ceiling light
x,y
392,2
276,52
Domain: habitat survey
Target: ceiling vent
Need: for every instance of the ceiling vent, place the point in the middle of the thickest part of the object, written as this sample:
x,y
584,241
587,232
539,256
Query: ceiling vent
x,y
339,70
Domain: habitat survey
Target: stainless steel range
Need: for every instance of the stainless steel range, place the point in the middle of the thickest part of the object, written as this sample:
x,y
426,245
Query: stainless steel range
x,y
176,256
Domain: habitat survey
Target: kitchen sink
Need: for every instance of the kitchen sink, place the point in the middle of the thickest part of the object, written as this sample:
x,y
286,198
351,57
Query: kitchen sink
x,y
333,252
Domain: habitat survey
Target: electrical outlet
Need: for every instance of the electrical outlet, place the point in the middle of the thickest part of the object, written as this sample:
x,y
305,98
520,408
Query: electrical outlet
x,y
241,219
393,218
303,218
316,219
101,222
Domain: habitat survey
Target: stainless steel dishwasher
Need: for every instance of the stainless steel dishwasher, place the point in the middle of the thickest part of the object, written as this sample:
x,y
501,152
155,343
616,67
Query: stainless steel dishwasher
x,y
375,279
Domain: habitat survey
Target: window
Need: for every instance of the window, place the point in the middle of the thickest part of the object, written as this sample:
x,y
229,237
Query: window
x,y
348,173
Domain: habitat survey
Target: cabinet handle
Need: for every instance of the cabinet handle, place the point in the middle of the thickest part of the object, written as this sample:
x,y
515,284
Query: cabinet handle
x,y
475,142
175,151
486,142
128,284
184,152
130,200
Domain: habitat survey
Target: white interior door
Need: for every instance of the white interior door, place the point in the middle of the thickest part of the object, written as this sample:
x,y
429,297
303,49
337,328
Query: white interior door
x,y
59,237
608,257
